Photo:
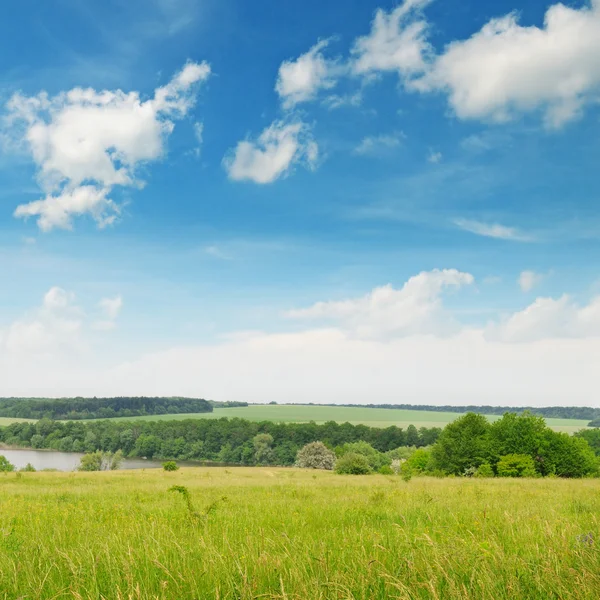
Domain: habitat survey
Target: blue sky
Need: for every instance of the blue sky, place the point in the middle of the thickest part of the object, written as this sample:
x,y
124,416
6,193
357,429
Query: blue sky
x,y
199,178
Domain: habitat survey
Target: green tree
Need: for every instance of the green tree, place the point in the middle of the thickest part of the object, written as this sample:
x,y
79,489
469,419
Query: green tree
x,y
375,458
412,436
463,444
520,434
263,452
170,465
5,465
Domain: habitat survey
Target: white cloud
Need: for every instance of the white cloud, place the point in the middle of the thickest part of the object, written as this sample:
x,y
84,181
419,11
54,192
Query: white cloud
x,y
379,143
56,323
546,354
549,318
505,68
528,280
278,148
493,230
216,252
300,80
85,142
501,71
386,312
397,42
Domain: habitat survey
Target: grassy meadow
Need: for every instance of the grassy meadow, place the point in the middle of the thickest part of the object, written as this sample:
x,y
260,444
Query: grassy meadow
x,y
290,534
373,417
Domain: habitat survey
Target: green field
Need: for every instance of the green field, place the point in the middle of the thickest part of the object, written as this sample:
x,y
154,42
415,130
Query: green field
x,y
8,420
374,417
292,534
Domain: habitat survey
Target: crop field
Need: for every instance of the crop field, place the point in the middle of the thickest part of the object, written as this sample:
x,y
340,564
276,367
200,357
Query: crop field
x,y
373,417
291,534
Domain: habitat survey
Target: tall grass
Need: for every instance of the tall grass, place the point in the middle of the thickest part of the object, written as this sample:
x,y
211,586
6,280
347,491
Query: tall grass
x,y
290,534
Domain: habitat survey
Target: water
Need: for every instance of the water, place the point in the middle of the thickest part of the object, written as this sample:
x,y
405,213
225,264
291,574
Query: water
x,y
63,461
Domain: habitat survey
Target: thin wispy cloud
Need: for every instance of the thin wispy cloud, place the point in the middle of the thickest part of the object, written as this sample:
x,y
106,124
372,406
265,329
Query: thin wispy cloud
x,y
493,230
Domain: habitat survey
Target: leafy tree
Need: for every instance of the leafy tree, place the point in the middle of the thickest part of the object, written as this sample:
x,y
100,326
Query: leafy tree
x,y
462,444
353,464
315,455
263,452
592,437
37,441
516,465
5,465
520,434
412,436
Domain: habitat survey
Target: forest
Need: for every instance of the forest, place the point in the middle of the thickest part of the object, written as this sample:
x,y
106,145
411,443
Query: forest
x,y
470,445
100,408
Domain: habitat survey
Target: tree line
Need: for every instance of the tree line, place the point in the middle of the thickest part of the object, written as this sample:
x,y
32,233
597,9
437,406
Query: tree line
x,y
232,441
548,412
101,408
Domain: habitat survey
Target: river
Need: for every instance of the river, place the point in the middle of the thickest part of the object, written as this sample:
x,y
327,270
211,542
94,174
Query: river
x,y
63,461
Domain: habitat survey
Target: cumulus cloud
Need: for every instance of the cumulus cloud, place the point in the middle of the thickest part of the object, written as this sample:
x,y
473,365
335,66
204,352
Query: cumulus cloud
x,y
386,345
501,71
277,150
493,230
55,324
548,318
378,144
86,142
397,42
386,312
528,280
300,80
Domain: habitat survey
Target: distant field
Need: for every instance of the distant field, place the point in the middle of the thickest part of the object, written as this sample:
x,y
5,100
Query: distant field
x,y
373,417
9,420
290,534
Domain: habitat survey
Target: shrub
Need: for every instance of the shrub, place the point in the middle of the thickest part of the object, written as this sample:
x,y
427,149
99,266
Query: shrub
x,y
170,465
386,470
28,468
315,456
353,464
484,470
101,461
420,460
516,465
375,458
6,466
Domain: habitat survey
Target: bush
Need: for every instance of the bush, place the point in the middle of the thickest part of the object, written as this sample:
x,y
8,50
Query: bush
x,y
353,464
170,465
315,456
101,461
375,458
516,465
386,470
420,460
6,466
484,470
28,468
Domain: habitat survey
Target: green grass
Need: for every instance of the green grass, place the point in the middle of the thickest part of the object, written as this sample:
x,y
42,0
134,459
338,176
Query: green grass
x,y
292,534
374,417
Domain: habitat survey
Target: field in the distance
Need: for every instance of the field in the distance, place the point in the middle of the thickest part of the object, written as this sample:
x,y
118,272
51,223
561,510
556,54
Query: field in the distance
x,y
374,417
290,534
